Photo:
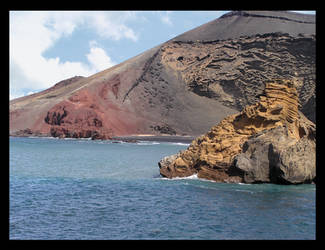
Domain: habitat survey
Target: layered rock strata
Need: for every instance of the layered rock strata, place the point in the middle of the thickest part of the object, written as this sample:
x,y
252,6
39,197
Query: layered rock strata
x,y
270,141
234,71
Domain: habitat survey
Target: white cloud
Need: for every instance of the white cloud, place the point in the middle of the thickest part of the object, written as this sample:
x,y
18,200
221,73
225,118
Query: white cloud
x,y
166,18
34,32
98,58
111,26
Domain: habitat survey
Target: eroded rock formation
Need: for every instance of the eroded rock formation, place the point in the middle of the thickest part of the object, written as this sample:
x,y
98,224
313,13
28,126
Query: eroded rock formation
x,y
270,141
234,71
85,122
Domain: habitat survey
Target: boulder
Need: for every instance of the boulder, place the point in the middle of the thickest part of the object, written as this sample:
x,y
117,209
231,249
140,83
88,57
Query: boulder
x,y
174,166
293,164
275,157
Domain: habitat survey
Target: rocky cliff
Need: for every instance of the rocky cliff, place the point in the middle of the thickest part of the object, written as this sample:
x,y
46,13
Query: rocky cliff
x,y
233,71
270,141
183,86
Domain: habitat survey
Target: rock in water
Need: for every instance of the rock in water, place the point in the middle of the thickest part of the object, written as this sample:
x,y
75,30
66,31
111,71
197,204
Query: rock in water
x,y
270,141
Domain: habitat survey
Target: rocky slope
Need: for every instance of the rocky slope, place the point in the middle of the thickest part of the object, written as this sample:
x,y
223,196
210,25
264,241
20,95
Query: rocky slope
x,y
183,86
234,71
270,141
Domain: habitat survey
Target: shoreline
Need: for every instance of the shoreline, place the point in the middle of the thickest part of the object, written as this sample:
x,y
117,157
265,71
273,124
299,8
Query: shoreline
x,y
127,138
157,138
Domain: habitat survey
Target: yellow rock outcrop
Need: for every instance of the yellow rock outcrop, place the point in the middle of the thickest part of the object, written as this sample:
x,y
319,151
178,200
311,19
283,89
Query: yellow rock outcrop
x,y
211,154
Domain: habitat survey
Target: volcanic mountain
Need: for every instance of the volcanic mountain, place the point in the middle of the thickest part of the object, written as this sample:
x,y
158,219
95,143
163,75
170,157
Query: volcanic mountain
x,y
183,86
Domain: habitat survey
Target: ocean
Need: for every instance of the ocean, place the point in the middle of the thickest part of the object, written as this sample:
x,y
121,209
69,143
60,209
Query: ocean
x,y
79,189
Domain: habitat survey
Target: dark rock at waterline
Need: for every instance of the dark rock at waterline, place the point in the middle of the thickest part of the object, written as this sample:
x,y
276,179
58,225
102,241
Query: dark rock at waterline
x,y
276,157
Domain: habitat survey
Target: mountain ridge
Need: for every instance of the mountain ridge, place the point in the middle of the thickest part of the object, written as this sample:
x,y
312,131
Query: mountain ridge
x,y
278,16
237,23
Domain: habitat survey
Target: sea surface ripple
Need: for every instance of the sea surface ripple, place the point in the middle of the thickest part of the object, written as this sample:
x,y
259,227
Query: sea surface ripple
x,y
83,189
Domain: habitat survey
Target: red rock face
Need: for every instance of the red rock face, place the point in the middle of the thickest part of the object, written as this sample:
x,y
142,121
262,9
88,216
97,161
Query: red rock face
x,y
90,113
67,120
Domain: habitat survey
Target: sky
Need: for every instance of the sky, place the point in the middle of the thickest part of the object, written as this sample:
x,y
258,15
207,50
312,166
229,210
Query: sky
x,y
46,47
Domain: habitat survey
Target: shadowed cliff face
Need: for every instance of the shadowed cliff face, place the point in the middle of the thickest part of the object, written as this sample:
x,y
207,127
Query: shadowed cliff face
x,y
275,121
183,86
234,71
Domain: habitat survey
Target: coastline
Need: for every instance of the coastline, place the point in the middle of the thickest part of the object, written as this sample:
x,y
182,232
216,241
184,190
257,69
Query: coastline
x,y
128,138
158,138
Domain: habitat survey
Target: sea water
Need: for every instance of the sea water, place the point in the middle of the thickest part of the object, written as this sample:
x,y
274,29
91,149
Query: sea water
x,y
84,189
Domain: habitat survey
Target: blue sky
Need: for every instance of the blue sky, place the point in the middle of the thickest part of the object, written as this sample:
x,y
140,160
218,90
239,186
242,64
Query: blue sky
x,y
150,29
49,46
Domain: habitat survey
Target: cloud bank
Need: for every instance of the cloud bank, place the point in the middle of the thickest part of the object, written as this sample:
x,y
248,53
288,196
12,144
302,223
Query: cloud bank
x,y
34,32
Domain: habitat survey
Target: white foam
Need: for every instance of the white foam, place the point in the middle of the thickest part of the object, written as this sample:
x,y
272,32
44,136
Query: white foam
x,y
191,177
180,143
194,176
34,137
46,137
147,143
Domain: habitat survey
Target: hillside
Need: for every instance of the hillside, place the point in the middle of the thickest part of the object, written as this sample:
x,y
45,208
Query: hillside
x,y
180,87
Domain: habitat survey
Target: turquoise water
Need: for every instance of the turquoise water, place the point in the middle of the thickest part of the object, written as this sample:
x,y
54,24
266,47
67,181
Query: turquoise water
x,y
83,189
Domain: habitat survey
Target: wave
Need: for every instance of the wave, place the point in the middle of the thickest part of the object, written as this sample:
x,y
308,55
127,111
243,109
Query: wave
x,y
246,191
44,137
160,143
191,177
180,143
70,139
195,177
147,143
38,137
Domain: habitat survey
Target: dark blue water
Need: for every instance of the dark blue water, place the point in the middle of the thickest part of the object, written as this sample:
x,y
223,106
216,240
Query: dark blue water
x,y
82,189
